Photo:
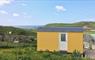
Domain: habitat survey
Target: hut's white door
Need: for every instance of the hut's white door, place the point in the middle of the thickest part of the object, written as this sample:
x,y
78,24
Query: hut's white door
x,y
63,41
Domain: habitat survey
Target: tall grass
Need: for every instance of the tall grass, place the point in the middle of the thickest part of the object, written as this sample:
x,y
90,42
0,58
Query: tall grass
x,y
30,53
27,51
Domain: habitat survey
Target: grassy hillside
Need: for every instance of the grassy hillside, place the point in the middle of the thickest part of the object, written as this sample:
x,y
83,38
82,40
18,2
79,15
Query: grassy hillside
x,y
15,31
77,24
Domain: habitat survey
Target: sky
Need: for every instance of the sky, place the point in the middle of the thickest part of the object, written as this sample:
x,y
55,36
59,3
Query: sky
x,y
41,12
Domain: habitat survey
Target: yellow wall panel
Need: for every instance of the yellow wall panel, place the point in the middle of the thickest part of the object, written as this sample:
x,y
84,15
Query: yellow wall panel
x,y
75,41
47,41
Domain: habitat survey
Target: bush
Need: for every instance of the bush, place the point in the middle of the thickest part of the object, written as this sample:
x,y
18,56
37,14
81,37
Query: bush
x,y
76,55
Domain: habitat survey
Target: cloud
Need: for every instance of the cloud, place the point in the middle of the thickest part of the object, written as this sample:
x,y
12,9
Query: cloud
x,y
15,14
4,2
3,12
60,8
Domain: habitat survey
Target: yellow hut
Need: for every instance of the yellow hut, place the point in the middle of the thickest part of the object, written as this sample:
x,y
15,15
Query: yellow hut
x,y
60,39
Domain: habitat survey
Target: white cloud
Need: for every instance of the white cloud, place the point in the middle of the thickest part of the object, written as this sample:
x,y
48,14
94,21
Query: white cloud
x,y
3,2
3,12
60,8
15,14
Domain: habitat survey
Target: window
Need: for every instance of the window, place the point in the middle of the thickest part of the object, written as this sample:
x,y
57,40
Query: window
x,y
63,37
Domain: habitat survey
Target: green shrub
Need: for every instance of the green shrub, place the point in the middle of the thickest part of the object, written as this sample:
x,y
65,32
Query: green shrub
x,y
76,55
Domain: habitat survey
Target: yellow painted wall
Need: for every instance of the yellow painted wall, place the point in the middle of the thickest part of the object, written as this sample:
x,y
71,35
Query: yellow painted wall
x,y
47,41
50,41
75,41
